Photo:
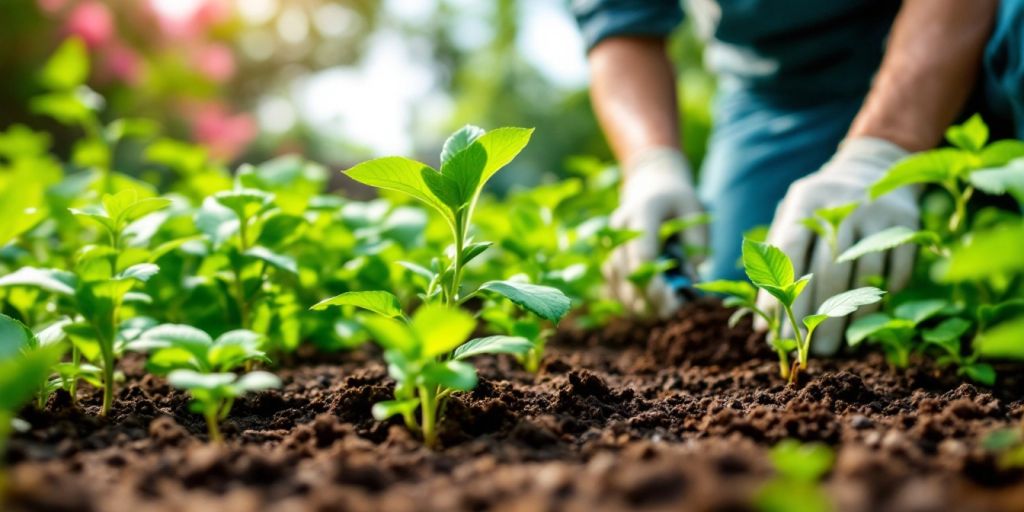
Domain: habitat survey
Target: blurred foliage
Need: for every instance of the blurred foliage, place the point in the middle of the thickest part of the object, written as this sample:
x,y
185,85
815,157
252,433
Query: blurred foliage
x,y
205,71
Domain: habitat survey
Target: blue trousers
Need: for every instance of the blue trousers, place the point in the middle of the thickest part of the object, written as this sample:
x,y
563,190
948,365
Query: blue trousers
x,y
762,143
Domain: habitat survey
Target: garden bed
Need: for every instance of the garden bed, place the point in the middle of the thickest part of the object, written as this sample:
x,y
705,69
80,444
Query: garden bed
x,y
677,415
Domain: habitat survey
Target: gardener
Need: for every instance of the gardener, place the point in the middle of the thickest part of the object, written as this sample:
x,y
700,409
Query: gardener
x,y
816,100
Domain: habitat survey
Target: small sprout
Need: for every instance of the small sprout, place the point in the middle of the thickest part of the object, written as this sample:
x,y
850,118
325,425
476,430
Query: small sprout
x,y
799,469
213,394
173,346
826,221
425,353
771,271
427,356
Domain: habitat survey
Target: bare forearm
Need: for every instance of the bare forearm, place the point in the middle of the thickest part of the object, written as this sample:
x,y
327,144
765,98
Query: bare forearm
x,y
928,71
633,92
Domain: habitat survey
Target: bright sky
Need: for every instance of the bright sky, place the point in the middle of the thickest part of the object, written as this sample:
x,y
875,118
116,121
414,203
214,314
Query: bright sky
x,y
372,104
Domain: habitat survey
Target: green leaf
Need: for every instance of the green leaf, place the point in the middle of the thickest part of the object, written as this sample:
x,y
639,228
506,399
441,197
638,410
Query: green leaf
x,y
847,302
190,379
950,331
502,145
391,334
451,374
544,301
918,311
866,327
970,136
767,265
459,141
141,272
50,279
802,462
258,381
887,239
388,408
493,345
835,215
20,377
1001,180
441,329
143,207
14,338
979,372
678,225
471,251
444,188
67,108
402,175
276,260
989,314
933,166
986,253
1004,341
68,67
813,321
647,270
194,341
245,202
22,204
740,289
794,290
380,302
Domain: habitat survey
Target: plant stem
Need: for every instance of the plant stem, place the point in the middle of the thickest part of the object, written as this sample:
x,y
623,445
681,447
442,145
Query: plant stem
x,y
212,427
783,364
460,242
803,344
428,404
76,359
108,383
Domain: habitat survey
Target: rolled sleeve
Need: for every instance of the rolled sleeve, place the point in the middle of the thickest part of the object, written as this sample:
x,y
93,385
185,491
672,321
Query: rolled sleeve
x,y
600,19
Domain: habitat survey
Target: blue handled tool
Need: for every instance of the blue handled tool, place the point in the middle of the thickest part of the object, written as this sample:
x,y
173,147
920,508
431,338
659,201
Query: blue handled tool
x,y
682,276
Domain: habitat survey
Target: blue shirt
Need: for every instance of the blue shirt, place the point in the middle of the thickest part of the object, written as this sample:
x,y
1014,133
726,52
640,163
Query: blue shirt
x,y
792,47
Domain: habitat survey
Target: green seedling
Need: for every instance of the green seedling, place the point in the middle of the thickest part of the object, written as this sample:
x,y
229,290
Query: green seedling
x,y
973,254
23,371
895,332
799,469
427,357
213,394
771,271
826,221
106,275
172,347
425,353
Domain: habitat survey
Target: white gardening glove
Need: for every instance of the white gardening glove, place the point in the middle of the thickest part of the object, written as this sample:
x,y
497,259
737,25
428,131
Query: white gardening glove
x,y
658,187
845,178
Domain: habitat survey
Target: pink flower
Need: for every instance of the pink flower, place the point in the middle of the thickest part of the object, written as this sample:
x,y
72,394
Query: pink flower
x,y
93,22
224,134
123,64
215,61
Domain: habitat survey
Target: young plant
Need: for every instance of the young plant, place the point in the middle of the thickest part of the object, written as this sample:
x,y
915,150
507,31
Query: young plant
x,y
771,271
173,347
895,332
970,255
23,372
213,394
826,221
425,353
799,469
106,275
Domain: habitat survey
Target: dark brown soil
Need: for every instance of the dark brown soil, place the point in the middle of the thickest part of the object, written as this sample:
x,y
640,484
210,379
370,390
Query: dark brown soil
x,y
675,416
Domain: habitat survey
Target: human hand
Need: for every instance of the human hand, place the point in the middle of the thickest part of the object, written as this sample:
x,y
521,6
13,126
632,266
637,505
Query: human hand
x,y
658,187
845,178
